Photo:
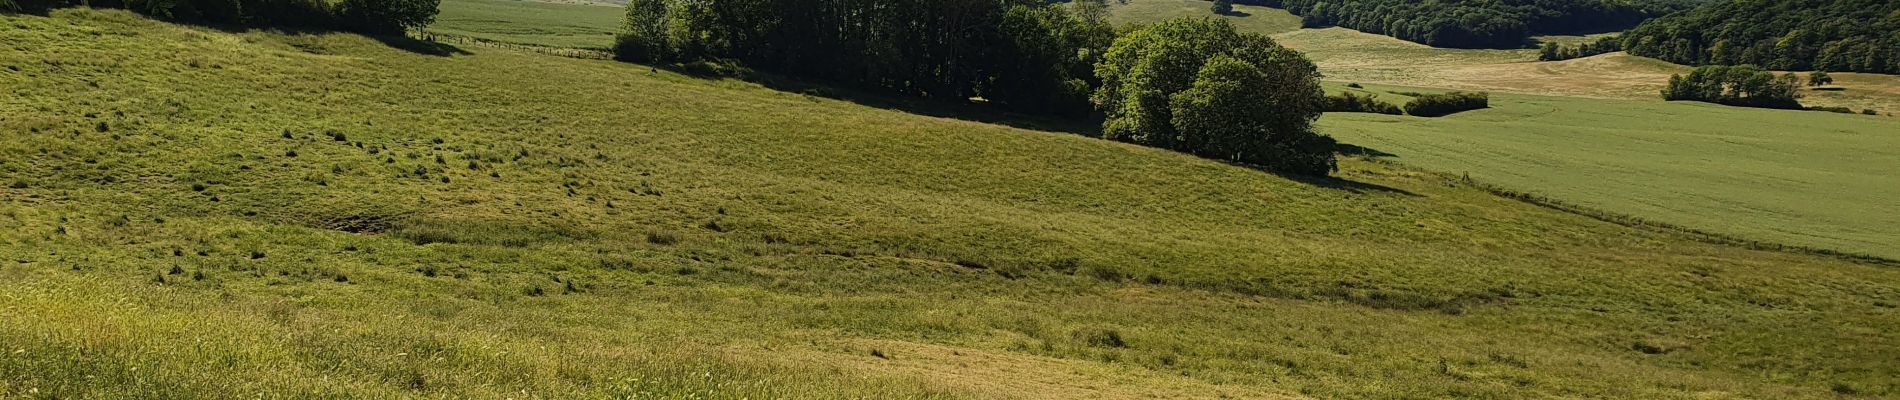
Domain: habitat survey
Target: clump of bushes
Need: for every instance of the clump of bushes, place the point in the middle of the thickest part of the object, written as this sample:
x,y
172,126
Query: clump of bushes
x,y
1352,102
1741,85
1438,105
1198,86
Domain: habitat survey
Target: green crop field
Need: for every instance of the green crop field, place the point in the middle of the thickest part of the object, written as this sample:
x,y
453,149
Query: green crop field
x,y
1246,18
1795,177
537,23
192,213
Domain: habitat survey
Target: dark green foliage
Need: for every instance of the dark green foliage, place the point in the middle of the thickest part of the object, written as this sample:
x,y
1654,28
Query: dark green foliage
x,y
1438,105
1223,7
1820,78
1829,35
1743,85
1022,54
1553,52
1478,23
387,16
1197,86
1353,102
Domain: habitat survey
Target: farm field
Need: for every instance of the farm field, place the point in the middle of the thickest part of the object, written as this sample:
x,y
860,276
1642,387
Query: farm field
x,y
571,25
1794,177
377,222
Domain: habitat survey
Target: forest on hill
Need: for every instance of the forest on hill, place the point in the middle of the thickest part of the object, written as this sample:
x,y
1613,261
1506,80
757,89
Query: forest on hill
x,y
1829,35
1478,23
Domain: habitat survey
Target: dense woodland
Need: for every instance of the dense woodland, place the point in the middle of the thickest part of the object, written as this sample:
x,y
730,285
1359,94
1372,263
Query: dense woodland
x,y
1023,54
1196,86
1478,23
1831,35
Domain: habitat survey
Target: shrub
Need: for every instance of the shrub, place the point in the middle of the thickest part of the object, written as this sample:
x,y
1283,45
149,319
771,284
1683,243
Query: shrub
x,y
1869,111
1438,105
1369,103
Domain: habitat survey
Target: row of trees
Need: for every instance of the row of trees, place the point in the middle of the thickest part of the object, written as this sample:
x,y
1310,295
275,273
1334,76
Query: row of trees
x,y
1023,54
1831,35
367,16
1196,86
1743,85
1551,51
1477,23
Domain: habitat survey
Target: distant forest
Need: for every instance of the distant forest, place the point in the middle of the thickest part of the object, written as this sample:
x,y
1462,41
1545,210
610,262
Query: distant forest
x,y
1478,23
1829,35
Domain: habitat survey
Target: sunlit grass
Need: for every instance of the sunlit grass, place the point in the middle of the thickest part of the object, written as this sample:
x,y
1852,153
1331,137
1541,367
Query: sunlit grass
x,y
507,224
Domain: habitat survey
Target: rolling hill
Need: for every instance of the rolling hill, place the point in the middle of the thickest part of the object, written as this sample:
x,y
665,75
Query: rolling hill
x,y
190,212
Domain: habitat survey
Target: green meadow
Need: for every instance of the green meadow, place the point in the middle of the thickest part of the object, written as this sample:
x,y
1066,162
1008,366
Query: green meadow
x,y
193,213
1801,178
568,25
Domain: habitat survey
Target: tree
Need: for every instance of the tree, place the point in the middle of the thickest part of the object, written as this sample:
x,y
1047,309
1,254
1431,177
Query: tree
x,y
643,36
1198,86
1820,78
1223,7
388,16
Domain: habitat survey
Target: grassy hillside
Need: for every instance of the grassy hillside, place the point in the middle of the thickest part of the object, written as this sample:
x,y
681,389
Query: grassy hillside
x,y
575,25
1795,177
1246,18
192,213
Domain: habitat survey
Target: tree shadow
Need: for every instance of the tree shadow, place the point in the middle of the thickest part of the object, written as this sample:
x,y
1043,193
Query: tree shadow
x,y
419,46
1236,14
966,110
1357,150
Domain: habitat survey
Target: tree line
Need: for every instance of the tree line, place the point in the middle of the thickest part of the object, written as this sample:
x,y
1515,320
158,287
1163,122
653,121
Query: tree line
x,y
1830,35
1190,85
366,16
1742,85
1477,23
1023,54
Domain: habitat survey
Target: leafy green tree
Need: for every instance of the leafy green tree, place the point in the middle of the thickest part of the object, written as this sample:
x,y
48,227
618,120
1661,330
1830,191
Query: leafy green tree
x,y
388,16
1223,7
1198,86
643,38
1820,78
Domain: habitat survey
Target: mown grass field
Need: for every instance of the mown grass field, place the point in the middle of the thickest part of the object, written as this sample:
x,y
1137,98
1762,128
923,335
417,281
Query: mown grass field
x,y
1246,18
1794,177
540,23
189,213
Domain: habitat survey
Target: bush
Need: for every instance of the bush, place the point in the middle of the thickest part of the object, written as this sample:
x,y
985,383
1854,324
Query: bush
x,y
1869,111
1438,105
1198,86
1369,103
387,16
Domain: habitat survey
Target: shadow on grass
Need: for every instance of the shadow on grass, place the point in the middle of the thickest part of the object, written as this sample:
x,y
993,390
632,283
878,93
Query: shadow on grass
x,y
397,41
966,110
1090,126
423,47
